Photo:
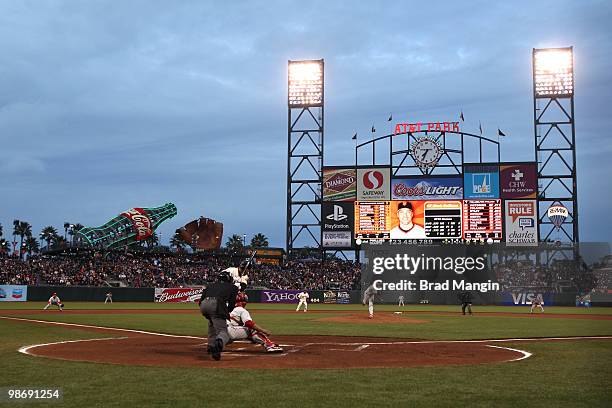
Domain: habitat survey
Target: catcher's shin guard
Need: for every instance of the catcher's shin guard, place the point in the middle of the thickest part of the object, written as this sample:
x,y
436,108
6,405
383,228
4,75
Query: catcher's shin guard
x,y
261,338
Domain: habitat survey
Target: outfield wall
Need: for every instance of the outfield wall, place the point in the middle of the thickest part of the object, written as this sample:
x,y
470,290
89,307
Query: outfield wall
x,y
98,294
90,293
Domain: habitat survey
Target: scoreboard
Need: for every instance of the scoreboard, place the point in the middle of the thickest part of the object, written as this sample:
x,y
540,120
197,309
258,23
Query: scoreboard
x,y
372,219
482,219
454,220
443,219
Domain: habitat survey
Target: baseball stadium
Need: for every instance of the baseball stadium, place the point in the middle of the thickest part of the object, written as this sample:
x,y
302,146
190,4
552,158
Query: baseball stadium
x,y
426,267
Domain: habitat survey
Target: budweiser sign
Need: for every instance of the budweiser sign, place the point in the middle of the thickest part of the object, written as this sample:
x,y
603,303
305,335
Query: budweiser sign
x,y
163,295
141,222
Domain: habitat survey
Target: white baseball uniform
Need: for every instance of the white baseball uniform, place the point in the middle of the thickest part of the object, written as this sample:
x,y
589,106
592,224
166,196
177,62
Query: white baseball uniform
x,y
303,296
235,274
538,301
54,301
414,232
240,327
236,325
401,301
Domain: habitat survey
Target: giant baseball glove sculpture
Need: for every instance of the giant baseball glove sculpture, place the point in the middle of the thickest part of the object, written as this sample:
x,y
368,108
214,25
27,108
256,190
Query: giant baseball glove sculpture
x,y
202,233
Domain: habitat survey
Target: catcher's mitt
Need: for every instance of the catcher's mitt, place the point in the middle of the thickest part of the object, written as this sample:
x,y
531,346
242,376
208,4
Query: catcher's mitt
x,y
202,233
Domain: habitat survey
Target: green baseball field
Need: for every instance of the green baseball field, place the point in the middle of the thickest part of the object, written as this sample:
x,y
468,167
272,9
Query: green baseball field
x,y
154,355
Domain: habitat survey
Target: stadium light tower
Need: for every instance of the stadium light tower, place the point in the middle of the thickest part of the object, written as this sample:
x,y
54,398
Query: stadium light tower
x,y
555,138
304,153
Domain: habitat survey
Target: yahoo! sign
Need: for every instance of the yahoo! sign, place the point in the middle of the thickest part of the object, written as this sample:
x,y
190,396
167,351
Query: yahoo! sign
x,y
279,296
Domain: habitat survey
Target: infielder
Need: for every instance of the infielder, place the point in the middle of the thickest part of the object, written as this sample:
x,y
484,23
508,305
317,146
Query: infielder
x,y
368,298
538,301
241,326
55,301
303,296
216,302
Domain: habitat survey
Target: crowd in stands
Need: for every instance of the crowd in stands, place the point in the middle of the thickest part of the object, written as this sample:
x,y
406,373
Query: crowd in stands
x,y
559,276
308,275
15,272
172,270
176,270
603,275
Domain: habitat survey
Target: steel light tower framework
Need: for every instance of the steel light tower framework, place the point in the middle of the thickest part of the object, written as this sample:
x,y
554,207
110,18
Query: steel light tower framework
x,y
555,139
304,153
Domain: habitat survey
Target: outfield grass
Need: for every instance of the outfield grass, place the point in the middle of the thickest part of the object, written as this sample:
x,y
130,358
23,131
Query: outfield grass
x,y
567,373
311,307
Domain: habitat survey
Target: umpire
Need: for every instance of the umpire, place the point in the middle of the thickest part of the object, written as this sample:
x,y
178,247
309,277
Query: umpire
x,y
216,303
466,301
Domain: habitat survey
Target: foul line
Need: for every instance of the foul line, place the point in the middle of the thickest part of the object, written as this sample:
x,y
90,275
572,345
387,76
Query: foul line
x,y
459,341
322,343
360,345
102,327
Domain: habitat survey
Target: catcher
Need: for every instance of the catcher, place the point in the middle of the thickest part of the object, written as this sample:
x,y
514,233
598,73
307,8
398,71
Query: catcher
x,y
54,300
241,326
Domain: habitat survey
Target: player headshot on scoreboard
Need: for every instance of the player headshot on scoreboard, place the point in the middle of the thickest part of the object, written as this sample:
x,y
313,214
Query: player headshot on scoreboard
x,y
406,229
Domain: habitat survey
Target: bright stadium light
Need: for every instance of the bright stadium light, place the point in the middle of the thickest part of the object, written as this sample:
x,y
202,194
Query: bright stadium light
x,y
554,72
305,83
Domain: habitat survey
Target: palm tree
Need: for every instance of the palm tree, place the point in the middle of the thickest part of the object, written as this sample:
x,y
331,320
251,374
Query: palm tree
x,y
59,241
76,228
234,243
31,245
15,229
23,229
4,246
177,242
47,235
66,227
259,240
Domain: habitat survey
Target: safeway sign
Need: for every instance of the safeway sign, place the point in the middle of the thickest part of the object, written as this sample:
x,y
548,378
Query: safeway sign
x,y
373,184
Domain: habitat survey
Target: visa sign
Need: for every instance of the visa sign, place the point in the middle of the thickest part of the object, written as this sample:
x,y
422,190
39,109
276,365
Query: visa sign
x,y
525,298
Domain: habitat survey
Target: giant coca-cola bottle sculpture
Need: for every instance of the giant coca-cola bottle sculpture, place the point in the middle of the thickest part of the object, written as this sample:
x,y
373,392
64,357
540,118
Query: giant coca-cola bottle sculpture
x,y
127,228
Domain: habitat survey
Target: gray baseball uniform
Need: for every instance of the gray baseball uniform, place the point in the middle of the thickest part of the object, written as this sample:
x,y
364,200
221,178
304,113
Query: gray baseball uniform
x,y
368,299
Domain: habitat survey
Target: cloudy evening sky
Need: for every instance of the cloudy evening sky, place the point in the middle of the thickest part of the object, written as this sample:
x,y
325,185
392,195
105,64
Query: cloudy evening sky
x,y
108,105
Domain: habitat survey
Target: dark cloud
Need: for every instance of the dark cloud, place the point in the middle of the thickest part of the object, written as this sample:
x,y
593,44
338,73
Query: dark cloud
x,y
109,105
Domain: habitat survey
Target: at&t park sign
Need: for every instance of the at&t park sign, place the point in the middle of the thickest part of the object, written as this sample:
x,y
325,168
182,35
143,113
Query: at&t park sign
x,y
427,126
